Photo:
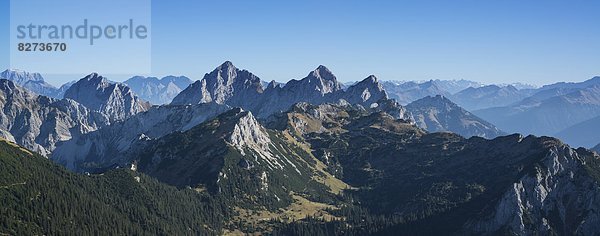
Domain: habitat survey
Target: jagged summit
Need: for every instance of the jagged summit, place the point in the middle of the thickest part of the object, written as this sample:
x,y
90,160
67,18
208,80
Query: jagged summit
x,y
38,122
115,100
366,92
31,81
240,88
322,72
324,79
20,76
226,84
372,79
96,79
227,64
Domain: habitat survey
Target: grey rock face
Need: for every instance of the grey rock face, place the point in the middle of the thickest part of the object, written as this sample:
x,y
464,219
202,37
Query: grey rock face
x,y
240,88
158,91
368,91
596,148
116,101
545,201
38,122
438,114
224,85
106,145
32,81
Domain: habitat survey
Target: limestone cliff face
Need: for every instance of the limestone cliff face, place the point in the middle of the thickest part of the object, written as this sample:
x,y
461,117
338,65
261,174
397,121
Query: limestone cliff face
x,y
114,100
240,88
39,122
558,196
106,146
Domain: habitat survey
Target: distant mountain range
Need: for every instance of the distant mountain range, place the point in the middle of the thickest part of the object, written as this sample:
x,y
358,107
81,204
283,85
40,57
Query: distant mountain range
x,y
32,81
584,134
158,91
489,96
436,114
551,111
408,92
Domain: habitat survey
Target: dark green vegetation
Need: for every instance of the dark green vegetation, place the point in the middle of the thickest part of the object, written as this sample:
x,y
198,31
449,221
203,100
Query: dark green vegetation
x,y
38,197
260,175
415,183
316,170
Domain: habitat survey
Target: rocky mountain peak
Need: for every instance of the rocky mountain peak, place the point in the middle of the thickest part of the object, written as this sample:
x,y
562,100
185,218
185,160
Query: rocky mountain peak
x,y
31,81
226,84
94,80
21,77
325,80
226,73
227,65
366,92
115,100
247,133
322,72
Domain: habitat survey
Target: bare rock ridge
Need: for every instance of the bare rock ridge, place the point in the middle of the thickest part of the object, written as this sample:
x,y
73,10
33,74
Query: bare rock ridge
x,y
115,100
105,146
31,81
368,91
225,84
508,185
240,88
234,156
38,122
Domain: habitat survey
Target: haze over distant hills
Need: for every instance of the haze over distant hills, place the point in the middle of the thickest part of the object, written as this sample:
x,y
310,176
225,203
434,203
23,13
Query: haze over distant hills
x,y
549,111
158,91
438,114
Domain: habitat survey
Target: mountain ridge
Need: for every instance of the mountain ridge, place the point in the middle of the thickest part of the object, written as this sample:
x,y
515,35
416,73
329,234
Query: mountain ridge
x,y
437,114
39,122
115,100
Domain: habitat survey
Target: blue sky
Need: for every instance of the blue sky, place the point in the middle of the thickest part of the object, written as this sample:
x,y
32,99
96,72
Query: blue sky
x,y
535,42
